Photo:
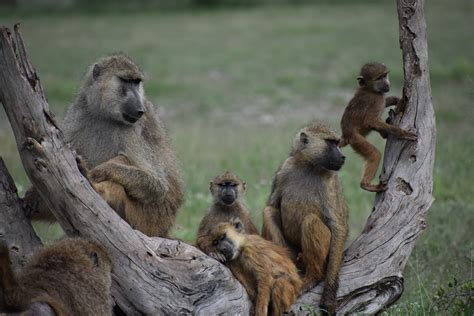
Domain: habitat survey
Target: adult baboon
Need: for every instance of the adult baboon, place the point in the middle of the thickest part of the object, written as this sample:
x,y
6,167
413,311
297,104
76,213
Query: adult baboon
x,y
226,190
306,210
124,144
264,268
363,114
71,277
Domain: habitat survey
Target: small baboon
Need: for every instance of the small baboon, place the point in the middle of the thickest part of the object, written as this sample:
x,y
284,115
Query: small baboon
x,y
264,268
226,190
118,133
71,277
306,210
363,114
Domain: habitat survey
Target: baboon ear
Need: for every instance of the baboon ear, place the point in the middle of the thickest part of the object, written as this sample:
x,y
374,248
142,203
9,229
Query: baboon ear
x,y
95,258
210,186
304,138
361,81
95,71
244,185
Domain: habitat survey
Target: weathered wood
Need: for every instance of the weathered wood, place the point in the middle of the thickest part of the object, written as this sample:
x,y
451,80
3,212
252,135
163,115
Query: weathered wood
x,y
155,275
151,275
15,229
371,276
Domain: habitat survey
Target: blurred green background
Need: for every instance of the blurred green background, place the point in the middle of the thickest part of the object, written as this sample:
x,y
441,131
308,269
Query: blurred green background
x,y
234,80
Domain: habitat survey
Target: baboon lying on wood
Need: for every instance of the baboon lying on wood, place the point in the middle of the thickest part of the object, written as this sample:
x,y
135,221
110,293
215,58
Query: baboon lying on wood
x,y
264,268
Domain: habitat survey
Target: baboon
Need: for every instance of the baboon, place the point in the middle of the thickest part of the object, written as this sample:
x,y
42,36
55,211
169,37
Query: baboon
x,y
363,114
226,190
71,277
306,210
263,268
118,133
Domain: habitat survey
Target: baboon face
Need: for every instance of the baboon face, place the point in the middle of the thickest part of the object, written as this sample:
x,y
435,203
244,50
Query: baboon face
x,y
225,240
117,83
318,146
227,188
374,76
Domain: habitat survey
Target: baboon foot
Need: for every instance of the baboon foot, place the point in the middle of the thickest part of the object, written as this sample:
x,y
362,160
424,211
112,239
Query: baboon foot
x,y
308,284
374,187
326,310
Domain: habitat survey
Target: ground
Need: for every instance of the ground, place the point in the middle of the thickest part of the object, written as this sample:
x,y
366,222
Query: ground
x,y
234,85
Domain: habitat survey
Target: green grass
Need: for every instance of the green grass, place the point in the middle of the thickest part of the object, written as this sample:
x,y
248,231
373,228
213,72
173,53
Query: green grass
x,y
235,85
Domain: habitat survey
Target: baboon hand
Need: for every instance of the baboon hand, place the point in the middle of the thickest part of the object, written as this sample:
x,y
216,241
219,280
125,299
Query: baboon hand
x,y
218,256
81,164
391,117
408,135
98,174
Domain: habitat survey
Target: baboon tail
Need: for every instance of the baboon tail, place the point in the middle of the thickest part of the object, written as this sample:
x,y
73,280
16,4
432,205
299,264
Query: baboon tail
x,y
8,284
7,279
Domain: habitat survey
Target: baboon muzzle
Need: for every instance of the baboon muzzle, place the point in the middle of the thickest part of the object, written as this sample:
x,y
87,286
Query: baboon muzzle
x,y
133,111
228,199
228,195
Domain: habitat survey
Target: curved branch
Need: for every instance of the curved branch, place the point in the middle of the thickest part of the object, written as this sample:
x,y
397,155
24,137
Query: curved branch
x,y
371,275
15,228
151,275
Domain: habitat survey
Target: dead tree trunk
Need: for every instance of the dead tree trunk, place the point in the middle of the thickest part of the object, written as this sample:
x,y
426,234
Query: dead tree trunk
x,y
371,276
151,275
15,229
155,275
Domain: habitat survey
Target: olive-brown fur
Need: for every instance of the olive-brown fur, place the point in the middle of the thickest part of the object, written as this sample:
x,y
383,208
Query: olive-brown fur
x,y
128,161
72,276
220,212
306,211
264,269
363,115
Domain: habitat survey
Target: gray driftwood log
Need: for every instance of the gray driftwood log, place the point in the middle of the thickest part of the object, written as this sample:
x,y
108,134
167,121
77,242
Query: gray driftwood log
x,y
15,228
151,276
155,275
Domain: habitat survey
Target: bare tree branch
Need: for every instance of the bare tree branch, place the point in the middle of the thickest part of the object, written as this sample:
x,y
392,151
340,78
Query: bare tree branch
x,y
151,275
371,276
15,229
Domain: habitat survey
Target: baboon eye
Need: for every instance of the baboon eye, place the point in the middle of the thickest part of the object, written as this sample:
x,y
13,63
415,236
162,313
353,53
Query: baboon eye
x,y
123,90
216,241
134,81
95,258
332,141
